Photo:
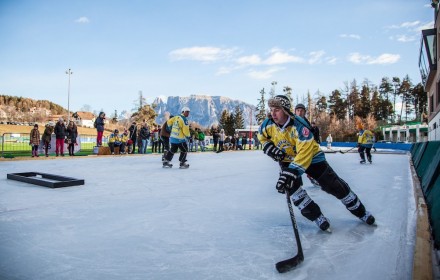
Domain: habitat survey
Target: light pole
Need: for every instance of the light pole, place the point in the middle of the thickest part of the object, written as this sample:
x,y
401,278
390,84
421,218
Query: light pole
x,y
68,72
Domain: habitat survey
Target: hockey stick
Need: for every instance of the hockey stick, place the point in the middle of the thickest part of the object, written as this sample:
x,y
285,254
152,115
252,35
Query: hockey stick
x,y
286,265
343,152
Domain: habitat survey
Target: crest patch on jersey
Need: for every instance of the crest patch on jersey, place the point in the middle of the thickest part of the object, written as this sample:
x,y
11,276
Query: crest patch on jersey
x,y
305,131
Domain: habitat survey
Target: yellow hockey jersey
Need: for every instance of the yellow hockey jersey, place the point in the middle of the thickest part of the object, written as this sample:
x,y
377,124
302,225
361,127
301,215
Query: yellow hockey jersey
x,y
295,139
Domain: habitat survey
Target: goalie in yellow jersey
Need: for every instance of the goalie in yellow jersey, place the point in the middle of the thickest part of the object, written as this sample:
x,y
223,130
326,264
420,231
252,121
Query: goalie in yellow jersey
x,y
287,139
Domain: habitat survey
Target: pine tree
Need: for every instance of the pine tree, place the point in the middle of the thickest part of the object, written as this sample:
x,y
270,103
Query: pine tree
x,y
223,119
261,108
238,118
337,105
354,104
385,90
364,105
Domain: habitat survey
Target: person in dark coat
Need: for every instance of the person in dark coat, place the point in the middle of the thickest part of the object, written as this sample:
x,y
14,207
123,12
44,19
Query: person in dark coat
x,y
60,135
133,135
99,125
47,137
71,135
215,136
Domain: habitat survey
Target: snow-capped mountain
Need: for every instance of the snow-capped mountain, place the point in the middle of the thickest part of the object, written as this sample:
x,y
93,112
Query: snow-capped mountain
x,y
205,110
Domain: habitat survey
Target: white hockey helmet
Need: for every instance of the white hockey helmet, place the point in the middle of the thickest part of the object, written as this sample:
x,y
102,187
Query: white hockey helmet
x,y
185,109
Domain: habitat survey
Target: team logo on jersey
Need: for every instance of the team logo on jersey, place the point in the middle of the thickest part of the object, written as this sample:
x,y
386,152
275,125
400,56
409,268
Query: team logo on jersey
x,y
305,131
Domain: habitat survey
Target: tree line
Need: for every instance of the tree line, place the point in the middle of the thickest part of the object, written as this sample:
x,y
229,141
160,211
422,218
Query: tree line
x,y
372,104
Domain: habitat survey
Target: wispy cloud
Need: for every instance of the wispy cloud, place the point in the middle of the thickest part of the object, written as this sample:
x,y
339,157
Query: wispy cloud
x,y
385,58
249,60
316,57
350,36
403,38
408,24
263,75
331,60
204,54
82,20
280,57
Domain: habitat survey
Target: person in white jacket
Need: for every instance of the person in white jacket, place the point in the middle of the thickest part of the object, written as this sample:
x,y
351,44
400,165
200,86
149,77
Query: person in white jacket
x,y
329,141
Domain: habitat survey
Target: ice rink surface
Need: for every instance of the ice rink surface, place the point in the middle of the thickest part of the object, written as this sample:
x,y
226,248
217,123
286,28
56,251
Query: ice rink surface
x,y
220,219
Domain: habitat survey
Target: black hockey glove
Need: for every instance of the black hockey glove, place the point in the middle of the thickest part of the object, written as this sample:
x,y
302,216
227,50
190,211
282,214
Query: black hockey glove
x,y
286,181
272,151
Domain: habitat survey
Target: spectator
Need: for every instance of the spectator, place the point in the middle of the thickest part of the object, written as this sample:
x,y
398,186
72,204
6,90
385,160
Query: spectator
x,y
257,143
244,141
71,135
114,141
99,125
215,136
47,137
234,141
195,138
34,140
60,135
201,140
144,135
124,142
133,135
329,141
154,139
221,141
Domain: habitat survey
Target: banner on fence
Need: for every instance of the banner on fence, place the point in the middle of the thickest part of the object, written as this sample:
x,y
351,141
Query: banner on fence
x,y
52,146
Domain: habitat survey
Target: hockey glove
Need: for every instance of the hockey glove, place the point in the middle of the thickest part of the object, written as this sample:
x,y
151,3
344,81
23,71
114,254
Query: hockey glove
x,y
272,151
286,181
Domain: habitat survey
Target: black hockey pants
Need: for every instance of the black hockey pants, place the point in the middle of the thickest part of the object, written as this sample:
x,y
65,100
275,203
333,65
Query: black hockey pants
x,y
367,151
183,147
331,183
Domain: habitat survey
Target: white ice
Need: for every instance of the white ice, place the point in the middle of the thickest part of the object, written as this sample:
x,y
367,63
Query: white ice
x,y
220,219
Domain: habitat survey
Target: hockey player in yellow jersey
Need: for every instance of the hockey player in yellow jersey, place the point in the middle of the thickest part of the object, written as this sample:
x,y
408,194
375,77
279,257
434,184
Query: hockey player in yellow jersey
x,y
287,139
365,142
179,136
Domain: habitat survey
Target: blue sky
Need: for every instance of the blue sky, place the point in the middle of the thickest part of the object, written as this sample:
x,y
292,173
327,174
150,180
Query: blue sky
x,y
229,48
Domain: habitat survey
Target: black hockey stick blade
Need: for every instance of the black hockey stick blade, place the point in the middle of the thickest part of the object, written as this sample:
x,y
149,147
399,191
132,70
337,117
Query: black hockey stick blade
x,y
289,264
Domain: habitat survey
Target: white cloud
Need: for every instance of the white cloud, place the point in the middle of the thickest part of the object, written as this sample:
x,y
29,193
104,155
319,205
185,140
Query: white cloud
x,y
385,58
350,36
249,60
331,60
280,57
205,54
263,75
427,25
407,24
82,20
316,57
403,38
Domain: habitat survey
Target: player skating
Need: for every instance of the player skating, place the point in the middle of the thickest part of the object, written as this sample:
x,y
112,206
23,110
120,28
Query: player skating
x,y
365,143
178,138
286,139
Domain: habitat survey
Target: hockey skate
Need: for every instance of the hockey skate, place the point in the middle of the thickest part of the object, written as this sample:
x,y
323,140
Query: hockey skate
x,y
323,223
368,218
369,160
184,165
363,161
166,164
